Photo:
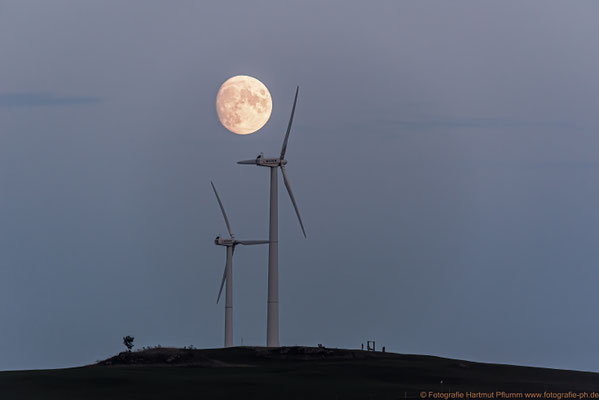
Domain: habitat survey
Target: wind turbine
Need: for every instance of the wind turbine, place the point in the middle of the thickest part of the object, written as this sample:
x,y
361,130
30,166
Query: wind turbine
x,y
272,324
230,243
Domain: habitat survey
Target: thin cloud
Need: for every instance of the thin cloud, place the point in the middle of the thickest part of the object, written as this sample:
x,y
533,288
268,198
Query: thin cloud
x,y
478,123
10,100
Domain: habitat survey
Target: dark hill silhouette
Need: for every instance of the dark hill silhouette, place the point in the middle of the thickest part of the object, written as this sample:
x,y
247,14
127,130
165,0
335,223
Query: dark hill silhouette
x,y
287,372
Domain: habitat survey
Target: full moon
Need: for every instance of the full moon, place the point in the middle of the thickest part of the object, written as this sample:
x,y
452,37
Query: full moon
x,y
243,104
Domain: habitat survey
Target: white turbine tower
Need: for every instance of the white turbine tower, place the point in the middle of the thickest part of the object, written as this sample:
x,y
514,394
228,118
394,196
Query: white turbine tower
x,y
230,243
272,328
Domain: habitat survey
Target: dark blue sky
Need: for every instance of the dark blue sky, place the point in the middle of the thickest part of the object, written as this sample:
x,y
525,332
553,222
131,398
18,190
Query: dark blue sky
x,y
444,157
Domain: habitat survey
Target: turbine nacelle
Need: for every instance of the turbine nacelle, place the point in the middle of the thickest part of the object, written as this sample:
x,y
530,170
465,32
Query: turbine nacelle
x,y
270,162
265,162
220,241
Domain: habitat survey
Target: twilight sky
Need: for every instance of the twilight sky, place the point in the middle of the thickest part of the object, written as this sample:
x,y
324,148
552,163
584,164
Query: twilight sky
x,y
444,156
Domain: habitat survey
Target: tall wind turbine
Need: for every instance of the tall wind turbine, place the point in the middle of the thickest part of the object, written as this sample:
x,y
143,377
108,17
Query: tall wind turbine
x,y
272,328
230,243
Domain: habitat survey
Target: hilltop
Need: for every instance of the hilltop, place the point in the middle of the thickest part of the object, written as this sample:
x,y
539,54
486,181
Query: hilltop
x,y
242,356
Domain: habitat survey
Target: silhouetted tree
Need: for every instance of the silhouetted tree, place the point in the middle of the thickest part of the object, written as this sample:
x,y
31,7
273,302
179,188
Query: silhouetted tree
x,y
128,341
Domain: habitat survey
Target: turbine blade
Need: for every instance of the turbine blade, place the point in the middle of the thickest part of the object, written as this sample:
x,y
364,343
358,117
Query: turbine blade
x,y
288,186
251,242
284,148
247,162
222,284
222,209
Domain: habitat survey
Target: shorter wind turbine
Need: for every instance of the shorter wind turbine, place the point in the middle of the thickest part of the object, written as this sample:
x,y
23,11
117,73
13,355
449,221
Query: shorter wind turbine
x,y
230,244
